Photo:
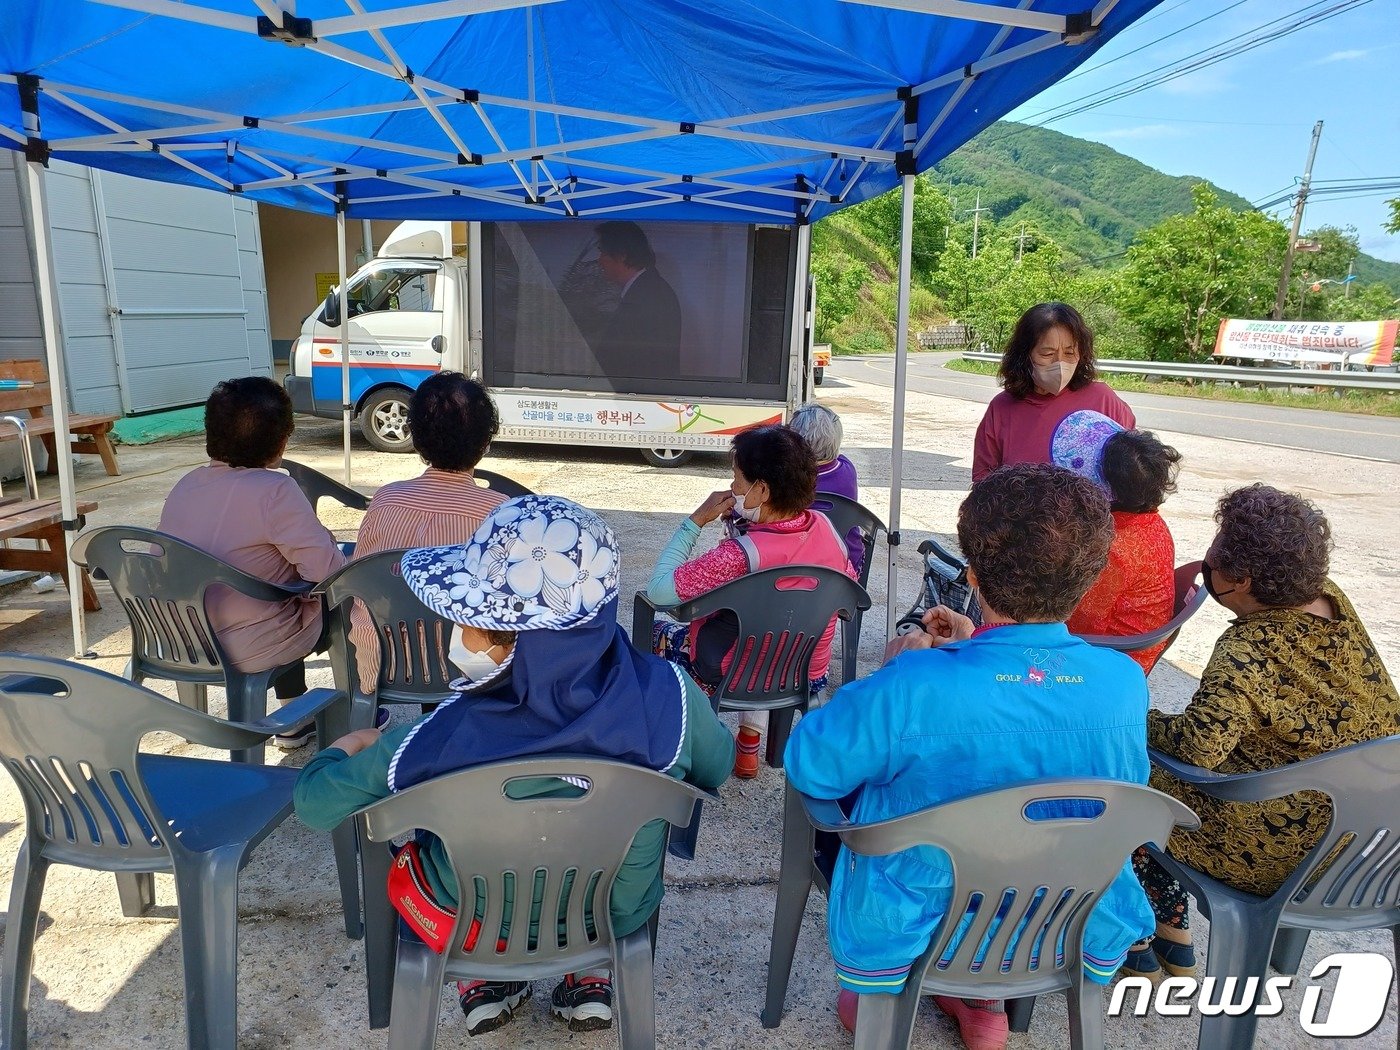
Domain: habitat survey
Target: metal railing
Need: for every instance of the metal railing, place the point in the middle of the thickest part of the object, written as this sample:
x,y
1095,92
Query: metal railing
x,y
1264,376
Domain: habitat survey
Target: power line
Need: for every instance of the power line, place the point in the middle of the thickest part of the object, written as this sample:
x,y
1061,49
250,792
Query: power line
x,y
1152,43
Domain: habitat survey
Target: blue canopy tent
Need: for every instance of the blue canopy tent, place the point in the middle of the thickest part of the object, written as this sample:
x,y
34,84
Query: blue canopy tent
x,y
730,110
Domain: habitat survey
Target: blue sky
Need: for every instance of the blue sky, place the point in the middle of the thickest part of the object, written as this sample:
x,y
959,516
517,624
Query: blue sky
x,y
1245,123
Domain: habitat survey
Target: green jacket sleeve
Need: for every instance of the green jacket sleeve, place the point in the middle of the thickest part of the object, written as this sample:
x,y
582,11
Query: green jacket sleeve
x,y
662,588
333,785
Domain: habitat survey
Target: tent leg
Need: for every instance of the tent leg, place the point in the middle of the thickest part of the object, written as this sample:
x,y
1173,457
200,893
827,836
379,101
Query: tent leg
x,y
901,365
47,287
345,406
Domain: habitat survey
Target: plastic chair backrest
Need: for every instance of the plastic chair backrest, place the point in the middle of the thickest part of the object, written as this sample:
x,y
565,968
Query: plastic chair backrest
x,y
500,483
161,583
1189,597
413,640
783,613
558,854
1359,888
845,515
69,736
1044,886
314,485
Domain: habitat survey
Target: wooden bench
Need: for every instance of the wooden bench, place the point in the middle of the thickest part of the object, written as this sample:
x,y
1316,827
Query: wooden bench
x,y
90,433
41,520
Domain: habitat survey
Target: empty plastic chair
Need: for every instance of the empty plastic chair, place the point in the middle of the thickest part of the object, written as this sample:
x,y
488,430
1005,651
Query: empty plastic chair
x,y
568,849
847,514
1358,889
69,736
500,483
1190,596
782,614
162,583
314,485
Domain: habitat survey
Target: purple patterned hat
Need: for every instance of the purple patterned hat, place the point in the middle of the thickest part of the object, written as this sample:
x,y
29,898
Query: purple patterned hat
x,y
1078,443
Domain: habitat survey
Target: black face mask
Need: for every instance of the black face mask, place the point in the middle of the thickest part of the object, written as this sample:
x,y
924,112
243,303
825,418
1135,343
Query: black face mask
x,y
1206,570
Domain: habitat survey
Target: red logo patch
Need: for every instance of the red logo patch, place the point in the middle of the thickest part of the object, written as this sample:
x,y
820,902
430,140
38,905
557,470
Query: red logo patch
x,y
1035,676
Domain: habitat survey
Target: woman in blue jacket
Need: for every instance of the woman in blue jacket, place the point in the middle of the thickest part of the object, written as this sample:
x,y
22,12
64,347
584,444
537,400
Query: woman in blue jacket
x,y
955,712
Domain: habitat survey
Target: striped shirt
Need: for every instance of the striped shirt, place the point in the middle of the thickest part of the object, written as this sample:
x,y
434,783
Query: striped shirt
x,y
438,508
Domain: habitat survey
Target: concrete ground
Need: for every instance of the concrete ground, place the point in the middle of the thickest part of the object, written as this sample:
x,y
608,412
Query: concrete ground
x,y
102,980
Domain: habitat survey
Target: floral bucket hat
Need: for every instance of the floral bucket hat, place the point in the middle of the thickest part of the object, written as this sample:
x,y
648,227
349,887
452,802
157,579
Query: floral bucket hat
x,y
536,563
1078,443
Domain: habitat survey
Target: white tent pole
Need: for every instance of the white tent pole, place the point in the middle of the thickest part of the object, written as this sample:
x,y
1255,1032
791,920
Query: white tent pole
x,y
345,406
58,376
901,363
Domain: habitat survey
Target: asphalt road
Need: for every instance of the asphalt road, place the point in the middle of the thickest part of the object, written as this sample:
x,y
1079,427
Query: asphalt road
x,y
1335,433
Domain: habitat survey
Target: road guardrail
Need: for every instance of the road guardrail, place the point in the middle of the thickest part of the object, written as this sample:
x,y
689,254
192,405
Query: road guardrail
x,y
1205,373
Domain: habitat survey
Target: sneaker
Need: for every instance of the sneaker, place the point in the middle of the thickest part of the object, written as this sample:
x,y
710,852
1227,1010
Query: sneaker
x,y
295,738
746,754
1179,960
490,1004
585,1004
1141,961
381,718
980,1028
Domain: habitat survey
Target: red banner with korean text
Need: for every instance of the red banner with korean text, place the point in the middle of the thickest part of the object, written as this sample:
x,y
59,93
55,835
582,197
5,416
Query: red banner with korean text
x,y
1310,342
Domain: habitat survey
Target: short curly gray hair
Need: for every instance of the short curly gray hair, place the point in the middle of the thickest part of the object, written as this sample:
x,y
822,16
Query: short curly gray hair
x,y
1278,540
822,429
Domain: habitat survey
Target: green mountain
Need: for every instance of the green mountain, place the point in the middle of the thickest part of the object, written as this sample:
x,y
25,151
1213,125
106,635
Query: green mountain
x,y
1089,198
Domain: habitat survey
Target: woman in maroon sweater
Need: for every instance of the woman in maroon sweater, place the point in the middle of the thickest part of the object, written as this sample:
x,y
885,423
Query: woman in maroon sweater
x,y
1048,372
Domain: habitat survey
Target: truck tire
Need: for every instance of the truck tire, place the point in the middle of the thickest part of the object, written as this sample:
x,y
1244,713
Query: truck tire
x,y
384,420
667,457
817,375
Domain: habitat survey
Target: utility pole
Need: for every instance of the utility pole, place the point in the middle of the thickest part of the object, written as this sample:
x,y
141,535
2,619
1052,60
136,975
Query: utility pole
x,y
1346,285
976,222
1021,245
1297,224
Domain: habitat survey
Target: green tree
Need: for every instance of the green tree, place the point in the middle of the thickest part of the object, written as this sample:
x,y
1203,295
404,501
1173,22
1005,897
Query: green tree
x,y
1392,225
1189,271
882,217
989,293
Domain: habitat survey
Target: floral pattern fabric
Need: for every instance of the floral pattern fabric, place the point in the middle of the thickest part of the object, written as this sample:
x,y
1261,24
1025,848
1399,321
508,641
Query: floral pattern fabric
x,y
537,562
1281,686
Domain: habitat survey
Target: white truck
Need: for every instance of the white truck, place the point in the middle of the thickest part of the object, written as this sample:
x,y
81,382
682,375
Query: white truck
x,y
667,337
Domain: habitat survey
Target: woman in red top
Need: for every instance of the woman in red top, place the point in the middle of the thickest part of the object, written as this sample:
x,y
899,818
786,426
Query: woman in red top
x,y
1048,372
1135,592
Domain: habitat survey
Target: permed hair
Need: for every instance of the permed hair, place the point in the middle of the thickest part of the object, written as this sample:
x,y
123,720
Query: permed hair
x,y
452,420
1139,470
1015,371
781,457
1037,537
626,241
1279,541
822,429
247,422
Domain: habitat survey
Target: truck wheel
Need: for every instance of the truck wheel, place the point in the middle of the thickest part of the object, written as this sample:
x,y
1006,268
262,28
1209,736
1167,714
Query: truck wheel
x,y
667,457
384,420
817,375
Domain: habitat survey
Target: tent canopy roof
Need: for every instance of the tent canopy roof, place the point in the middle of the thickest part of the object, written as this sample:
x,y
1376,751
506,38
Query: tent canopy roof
x,y
728,110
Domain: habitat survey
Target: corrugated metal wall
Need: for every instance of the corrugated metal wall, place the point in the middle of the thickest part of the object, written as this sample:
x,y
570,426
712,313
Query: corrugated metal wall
x,y
20,331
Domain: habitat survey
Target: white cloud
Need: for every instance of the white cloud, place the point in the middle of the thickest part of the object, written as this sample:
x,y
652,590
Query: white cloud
x,y
1343,56
1142,131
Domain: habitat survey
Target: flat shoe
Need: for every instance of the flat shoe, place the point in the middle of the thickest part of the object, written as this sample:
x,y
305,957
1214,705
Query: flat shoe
x,y
980,1029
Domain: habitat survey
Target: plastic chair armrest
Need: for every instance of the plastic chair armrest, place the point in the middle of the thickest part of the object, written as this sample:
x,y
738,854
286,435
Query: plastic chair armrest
x,y
299,711
825,814
1258,786
644,612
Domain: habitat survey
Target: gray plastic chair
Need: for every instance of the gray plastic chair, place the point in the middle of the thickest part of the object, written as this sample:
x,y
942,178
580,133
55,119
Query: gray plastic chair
x,y
314,485
847,514
1358,890
1190,596
1056,872
501,844
70,738
500,483
788,622
162,583
413,640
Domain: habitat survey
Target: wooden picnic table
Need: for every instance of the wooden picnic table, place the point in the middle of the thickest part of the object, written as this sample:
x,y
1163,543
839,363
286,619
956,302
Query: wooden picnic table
x,y
42,520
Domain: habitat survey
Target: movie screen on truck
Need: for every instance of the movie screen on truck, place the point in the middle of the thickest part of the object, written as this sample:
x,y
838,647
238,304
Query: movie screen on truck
x,y
659,308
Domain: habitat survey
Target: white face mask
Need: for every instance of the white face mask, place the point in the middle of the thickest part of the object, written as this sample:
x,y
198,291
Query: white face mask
x,y
1054,378
474,665
743,510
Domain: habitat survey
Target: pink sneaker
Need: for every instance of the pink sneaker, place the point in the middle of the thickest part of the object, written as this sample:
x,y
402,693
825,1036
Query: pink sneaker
x,y
846,1003
980,1029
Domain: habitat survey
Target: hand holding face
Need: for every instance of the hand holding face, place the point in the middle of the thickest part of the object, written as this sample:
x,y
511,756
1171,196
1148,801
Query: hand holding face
x,y
715,505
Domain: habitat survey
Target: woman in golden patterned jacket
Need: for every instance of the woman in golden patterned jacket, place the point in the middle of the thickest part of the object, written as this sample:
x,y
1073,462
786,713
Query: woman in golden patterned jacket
x,y
1295,675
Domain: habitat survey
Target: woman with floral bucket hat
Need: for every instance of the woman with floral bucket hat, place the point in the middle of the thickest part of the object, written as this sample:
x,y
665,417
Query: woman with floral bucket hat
x,y
545,670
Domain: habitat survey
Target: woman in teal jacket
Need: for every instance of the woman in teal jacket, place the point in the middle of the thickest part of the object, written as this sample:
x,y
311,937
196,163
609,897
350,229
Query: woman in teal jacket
x,y
955,712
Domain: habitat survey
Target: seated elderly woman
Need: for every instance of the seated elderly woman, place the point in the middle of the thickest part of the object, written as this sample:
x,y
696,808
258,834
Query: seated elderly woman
x,y
245,512
836,475
943,719
1137,588
773,486
452,420
1295,675
558,678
